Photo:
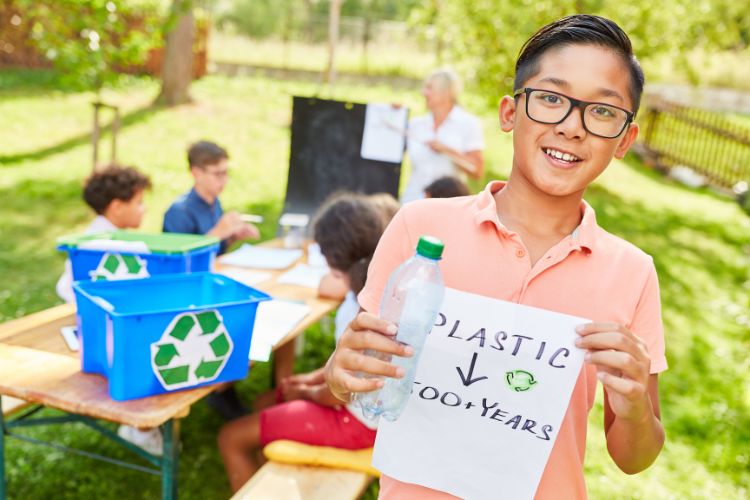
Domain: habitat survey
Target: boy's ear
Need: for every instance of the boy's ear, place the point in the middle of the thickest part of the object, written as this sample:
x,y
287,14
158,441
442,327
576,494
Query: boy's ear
x,y
507,113
114,208
628,138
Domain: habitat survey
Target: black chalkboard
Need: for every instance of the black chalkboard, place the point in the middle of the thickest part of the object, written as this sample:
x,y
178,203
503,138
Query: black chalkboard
x,y
325,155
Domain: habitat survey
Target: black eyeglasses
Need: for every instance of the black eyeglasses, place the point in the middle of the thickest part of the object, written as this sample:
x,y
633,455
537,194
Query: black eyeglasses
x,y
600,119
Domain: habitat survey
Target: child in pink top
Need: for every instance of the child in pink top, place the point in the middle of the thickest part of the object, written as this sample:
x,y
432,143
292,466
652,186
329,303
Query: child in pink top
x,y
534,241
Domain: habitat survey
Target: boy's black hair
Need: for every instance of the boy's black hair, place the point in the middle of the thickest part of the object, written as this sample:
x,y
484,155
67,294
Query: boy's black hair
x,y
580,29
205,153
113,182
447,187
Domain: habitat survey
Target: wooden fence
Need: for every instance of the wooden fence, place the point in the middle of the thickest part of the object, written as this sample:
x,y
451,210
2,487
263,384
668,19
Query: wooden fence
x,y
716,145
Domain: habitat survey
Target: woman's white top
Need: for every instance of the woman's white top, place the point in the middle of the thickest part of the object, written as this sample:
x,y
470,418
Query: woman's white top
x,y
460,130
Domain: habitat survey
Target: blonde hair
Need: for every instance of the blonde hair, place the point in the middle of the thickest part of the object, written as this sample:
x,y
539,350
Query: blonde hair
x,y
447,80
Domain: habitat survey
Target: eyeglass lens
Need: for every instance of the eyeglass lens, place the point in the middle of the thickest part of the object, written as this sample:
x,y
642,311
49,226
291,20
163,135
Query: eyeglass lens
x,y
598,118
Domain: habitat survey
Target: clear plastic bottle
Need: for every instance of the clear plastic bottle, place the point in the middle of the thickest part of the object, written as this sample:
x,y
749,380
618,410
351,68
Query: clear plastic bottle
x,y
411,300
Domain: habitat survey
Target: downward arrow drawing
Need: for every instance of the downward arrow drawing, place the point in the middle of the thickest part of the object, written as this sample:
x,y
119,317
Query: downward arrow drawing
x,y
467,380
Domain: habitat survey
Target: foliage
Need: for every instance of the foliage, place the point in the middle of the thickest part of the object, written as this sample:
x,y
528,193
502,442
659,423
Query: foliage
x,y
90,41
486,35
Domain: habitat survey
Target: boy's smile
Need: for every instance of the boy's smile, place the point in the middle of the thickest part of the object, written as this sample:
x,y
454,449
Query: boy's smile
x,y
563,159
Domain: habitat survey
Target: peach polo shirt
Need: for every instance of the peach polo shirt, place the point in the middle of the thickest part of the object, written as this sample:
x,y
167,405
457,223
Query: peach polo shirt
x,y
590,273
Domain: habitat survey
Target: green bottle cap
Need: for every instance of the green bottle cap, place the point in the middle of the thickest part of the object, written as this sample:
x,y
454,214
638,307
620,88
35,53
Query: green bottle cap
x,y
430,247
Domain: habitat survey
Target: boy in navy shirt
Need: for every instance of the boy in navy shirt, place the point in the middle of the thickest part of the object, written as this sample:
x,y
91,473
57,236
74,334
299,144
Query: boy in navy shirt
x,y
199,210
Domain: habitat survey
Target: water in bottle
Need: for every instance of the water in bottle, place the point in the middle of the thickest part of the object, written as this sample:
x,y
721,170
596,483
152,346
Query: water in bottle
x,y
411,300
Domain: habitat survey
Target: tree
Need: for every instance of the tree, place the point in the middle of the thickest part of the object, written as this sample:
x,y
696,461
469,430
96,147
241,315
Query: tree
x,y
92,41
485,38
333,39
177,63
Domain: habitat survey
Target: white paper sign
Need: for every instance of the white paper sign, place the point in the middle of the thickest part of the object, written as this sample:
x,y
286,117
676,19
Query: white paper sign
x,y
492,387
385,133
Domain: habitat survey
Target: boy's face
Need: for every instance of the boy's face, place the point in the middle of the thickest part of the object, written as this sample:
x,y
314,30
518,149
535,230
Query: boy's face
x,y
584,72
127,214
211,179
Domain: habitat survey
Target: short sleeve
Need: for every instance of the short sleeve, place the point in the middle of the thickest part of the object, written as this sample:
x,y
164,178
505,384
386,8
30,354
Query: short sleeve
x,y
64,286
178,221
647,322
474,139
393,249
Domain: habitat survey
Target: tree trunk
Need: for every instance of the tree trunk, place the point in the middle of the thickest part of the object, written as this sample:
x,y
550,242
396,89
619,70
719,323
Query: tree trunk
x,y
333,39
177,63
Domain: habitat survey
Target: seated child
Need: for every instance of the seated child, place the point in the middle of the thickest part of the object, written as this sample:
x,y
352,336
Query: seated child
x,y
348,230
115,193
447,187
199,210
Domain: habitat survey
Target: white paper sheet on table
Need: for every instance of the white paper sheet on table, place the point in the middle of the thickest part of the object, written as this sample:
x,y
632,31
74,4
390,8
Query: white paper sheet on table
x,y
385,133
261,257
303,275
246,276
273,321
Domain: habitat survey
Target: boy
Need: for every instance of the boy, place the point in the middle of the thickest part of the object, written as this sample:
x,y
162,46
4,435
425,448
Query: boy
x,y
534,241
199,210
115,193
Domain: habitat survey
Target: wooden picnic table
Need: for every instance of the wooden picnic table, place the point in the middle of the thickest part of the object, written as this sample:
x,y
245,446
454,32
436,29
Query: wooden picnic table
x,y
37,368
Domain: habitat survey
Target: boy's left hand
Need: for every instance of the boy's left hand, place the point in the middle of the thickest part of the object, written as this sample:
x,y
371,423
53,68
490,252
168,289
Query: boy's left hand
x,y
623,366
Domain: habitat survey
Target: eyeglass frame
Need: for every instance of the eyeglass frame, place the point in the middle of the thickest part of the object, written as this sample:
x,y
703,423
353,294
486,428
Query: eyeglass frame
x,y
574,103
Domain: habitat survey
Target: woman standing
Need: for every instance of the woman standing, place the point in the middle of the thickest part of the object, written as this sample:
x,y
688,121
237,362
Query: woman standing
x,y
446,141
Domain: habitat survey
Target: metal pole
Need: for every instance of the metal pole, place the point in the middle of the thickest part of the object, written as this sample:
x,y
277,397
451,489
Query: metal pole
x,y
95,135
170,459
115,130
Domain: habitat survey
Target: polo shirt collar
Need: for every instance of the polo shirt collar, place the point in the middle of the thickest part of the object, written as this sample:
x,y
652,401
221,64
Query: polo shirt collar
x,y
485,210
195,198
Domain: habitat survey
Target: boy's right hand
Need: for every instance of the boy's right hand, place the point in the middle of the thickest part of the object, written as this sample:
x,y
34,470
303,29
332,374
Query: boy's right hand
x,y
231,226
367,331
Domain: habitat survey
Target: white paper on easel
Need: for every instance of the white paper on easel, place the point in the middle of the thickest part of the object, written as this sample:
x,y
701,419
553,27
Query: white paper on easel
x,y
273,321
492,387
384,136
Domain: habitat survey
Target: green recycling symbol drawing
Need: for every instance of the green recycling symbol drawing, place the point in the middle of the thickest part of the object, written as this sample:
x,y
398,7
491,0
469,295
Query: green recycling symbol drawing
x,y
115,266
193,349
520,380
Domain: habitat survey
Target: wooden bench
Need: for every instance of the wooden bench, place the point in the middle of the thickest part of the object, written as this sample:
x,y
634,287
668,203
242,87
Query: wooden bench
x,y
276,481
12,405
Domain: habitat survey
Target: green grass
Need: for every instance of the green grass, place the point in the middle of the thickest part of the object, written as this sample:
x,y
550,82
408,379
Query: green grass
x,y
699,241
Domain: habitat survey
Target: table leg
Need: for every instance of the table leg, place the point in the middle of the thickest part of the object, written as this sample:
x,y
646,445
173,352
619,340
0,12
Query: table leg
x,y
2,452
170,459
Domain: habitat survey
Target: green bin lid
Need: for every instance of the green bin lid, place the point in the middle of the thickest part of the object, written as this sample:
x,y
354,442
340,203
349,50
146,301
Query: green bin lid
x,y
163,243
